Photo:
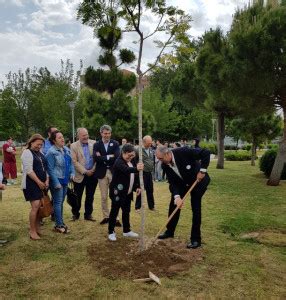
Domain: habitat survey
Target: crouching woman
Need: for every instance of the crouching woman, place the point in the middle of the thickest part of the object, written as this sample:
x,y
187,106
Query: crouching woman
x,y
124,181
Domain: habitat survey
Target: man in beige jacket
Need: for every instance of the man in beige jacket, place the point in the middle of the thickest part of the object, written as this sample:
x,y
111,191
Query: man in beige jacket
x,y
81,152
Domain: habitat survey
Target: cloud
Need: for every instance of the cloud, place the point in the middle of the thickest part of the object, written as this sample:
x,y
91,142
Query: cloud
x,y
46,31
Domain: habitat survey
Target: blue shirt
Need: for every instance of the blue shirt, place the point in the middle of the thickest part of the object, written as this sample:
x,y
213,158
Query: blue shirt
x,y
47,146
88,158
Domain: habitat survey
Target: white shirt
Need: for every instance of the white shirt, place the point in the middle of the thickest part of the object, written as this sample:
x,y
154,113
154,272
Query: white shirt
x,y
27,164
132,177
174,166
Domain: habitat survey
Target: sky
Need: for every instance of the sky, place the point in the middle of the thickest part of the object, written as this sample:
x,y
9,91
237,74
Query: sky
x,y
42,32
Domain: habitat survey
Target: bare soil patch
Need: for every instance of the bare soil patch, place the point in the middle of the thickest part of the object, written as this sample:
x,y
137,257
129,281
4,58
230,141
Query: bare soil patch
x,y
122,259
268,237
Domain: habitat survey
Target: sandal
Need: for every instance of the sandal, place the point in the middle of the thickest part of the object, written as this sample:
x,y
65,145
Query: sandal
x,y
61,229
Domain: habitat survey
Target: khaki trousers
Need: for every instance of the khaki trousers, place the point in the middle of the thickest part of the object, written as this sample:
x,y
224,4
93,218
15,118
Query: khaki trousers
x,y
104,186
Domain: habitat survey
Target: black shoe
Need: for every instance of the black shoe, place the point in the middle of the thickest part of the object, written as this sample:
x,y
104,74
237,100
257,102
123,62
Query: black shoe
x,y
104,221
165,235
89,218
117,224
194,245
74,218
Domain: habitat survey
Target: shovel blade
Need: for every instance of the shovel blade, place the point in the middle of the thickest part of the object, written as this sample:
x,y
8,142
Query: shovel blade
x,y
154,278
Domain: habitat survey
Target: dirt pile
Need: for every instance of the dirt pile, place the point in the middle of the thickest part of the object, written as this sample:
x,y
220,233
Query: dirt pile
x,y
122,259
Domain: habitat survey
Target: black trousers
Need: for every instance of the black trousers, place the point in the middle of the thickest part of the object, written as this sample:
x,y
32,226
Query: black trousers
x,y
124,203
196,200
148,185
89,183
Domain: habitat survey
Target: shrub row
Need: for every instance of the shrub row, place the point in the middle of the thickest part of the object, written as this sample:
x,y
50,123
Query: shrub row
x,y
239,155
210,146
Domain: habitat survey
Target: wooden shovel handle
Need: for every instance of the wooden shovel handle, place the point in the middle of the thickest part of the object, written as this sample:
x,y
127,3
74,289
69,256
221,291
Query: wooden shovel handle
x,y
175,210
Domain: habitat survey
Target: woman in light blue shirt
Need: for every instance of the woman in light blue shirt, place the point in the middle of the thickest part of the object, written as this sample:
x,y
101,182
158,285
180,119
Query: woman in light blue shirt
x,y
60,170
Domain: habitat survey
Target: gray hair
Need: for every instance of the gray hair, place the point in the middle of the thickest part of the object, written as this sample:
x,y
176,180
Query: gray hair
x,y
79,130
105,127
163,150
146,137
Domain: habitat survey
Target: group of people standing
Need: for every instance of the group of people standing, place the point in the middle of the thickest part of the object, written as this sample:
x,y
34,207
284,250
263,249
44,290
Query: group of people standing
x,y
88,163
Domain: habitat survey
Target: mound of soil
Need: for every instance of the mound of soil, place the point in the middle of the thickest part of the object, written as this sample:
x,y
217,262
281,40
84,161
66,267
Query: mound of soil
x,y
122,259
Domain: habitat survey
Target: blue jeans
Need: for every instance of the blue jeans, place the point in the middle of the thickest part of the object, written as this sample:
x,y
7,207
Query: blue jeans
x,y
58,196
158,171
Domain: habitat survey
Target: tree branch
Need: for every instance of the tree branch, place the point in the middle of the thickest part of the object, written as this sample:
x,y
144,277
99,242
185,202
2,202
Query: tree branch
x,y
139,13
159,55
145,38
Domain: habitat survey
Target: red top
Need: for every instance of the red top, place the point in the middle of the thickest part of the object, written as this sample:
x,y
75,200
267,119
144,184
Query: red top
x,y
9,156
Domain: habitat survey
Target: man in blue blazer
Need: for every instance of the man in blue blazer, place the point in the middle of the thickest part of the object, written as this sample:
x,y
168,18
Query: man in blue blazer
x,y
183,166
105,152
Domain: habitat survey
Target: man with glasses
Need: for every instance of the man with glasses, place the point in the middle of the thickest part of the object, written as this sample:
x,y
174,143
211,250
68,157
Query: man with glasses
x,y
183,166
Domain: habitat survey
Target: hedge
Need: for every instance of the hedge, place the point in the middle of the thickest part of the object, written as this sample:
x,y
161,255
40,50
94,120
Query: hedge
x,y
210,146
267,161
240,155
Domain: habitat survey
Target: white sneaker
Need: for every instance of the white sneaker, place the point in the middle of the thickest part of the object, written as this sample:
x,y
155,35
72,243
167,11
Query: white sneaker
x,y
130,234
112,237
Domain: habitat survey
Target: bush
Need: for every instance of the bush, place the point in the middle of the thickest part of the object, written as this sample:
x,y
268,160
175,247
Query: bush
x,y
246,147
230,147
210,146
272,146
267,161
237,155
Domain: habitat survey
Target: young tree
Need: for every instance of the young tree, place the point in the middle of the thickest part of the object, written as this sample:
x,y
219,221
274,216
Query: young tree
x,y
171,21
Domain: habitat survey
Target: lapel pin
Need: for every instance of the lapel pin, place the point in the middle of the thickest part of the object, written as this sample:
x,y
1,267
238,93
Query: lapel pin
x,y
188,167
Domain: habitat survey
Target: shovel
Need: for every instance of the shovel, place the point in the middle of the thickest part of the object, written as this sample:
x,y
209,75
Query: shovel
x,y
152,277
172,215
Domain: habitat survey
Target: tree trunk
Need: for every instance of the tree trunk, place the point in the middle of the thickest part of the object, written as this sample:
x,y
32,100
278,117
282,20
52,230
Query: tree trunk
x,y
220,140
280,160
140,96
253,152
142,227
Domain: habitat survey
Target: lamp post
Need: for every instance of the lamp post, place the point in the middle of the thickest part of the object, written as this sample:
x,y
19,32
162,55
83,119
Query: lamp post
x,y
213,131
72,106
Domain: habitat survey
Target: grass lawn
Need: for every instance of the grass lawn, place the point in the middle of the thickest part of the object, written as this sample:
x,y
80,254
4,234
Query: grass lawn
x,y
237,202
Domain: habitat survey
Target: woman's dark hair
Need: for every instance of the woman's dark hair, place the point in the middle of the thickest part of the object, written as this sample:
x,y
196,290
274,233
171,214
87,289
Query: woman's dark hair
x,y
34,138
127,148
53,136
178,144
197,142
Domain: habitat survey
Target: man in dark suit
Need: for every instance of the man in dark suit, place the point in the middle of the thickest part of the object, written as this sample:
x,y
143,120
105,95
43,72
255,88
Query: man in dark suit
x,y
183,166
148,161
105,152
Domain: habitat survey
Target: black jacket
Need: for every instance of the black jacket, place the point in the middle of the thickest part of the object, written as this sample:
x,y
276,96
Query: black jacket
x,y
121,172
102,163
189,162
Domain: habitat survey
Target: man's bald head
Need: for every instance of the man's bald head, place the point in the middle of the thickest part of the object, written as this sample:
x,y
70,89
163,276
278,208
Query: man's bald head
x,y
82,135
147,141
